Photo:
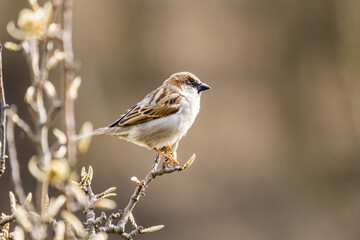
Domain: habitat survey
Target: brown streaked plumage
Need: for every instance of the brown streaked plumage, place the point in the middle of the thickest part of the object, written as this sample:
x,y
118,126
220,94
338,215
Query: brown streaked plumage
x,y
163,102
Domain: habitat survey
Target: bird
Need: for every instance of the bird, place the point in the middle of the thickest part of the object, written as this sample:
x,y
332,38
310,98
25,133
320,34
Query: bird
x,y
162,117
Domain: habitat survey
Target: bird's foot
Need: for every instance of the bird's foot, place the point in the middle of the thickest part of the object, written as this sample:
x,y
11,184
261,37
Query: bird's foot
x,y
168,156
171,158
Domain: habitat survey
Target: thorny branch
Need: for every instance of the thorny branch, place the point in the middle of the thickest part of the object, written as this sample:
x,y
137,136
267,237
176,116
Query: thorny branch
x,y
3,107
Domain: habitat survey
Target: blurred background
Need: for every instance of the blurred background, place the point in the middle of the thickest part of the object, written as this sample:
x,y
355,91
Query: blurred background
x,y
277,137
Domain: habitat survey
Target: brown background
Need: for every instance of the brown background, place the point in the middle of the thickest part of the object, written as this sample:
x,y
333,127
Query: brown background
x,y
277,137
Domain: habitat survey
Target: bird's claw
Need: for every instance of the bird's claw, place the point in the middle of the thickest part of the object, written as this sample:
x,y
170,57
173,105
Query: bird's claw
x,y
167,156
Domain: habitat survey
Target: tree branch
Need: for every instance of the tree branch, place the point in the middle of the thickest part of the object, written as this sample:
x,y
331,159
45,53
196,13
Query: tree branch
x,y
139,191
6,219
3,107
15,169
91,222
24,127
69,78
136,195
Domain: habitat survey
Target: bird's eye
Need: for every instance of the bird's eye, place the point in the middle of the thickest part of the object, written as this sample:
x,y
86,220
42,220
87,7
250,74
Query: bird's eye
x,y
192,84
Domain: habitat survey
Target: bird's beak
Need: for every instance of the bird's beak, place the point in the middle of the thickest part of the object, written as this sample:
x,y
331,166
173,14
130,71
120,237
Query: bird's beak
x,y
203,87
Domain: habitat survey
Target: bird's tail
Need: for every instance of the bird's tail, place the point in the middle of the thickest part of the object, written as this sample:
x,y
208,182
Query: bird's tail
x,y
96,132
109,131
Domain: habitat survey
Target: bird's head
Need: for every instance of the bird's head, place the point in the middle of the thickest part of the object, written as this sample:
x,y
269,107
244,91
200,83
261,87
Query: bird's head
x,y
187,83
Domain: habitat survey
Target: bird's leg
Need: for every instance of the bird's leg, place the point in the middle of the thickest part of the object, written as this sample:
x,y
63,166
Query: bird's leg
x,y
168,156
173,159
168,148
171,150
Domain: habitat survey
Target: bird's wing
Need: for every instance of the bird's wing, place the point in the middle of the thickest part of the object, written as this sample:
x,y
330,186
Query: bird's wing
x,y
160,103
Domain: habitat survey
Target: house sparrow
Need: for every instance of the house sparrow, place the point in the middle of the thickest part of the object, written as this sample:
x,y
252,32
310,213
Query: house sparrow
x,y
163,117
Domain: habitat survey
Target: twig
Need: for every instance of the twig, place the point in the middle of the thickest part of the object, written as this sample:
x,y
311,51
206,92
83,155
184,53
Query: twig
x,y
48,46
100,219
53,112
24,127
139,191
40,119
89,210
3,107
42,147
39,115
15,169
136,195
6,219
69,78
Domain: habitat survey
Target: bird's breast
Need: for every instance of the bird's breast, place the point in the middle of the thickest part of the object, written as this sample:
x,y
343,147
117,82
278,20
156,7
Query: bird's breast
x,y
167,130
